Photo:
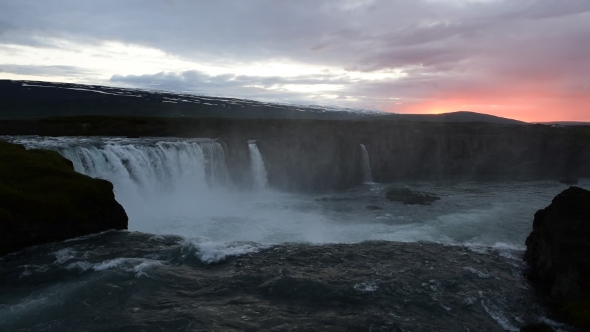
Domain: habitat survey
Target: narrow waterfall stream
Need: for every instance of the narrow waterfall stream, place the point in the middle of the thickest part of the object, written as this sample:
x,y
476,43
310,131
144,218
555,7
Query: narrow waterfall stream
x,y
258,170
367,176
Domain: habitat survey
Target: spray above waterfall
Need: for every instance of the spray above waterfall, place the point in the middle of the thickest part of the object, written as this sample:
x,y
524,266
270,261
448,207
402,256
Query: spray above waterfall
x,y
367,176
259,174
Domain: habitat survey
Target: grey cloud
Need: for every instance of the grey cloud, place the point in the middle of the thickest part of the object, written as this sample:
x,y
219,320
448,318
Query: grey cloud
x,y
541,9
481,48
63,71
239,86
194,78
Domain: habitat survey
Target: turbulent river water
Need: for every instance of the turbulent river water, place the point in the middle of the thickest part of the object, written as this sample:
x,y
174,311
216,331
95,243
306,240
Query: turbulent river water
x,y
202,254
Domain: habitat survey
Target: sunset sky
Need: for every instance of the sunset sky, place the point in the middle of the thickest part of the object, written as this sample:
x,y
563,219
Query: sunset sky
x,y
522,59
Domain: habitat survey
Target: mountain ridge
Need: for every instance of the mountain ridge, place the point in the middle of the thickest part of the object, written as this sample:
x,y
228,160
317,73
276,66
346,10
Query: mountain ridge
x,y
35,99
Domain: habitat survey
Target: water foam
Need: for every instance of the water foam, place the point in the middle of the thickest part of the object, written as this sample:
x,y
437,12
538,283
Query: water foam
x,y
136,265
366,287
64,255
215,252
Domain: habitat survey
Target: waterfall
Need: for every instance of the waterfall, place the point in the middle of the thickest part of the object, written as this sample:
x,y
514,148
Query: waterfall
x,y
153,169
367,177
258,170
145,171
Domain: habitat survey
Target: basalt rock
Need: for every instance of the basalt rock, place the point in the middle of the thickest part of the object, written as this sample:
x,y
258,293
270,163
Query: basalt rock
x,y
42,199
407,196
558,254
323,156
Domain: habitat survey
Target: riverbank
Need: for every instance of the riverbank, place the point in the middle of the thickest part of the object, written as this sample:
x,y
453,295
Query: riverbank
x,y
42,199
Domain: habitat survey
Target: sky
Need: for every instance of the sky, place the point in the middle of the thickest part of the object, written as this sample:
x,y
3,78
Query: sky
x,y
522,59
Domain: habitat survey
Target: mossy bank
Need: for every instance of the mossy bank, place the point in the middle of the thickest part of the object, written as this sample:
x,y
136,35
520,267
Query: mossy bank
x,y
42,199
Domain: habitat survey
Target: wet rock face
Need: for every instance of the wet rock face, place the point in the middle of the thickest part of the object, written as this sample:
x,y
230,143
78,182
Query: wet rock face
x,y
42,199
558,253
409,197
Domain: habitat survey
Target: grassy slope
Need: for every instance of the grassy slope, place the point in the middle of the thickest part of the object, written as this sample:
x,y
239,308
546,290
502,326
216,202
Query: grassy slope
x,y
40,192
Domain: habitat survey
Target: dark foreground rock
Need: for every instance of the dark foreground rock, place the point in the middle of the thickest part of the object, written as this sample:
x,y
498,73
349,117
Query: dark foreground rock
x,y
42,199
558,254
407,196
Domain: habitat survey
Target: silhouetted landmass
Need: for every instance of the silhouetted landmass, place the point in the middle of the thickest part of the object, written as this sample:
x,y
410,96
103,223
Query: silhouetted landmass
x,y
26,100
558,254
453,117
42,199
567,123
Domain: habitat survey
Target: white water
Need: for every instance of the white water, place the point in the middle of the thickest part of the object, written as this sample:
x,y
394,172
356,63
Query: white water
x,y
258,170
164,174
181,187
367,176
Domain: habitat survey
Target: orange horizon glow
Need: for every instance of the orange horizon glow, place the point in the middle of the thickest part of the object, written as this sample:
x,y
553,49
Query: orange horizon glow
x,y
531,111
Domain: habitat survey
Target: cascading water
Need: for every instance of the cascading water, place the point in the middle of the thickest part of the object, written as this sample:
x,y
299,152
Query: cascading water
x,y
154,179
367,176
258,170
148,169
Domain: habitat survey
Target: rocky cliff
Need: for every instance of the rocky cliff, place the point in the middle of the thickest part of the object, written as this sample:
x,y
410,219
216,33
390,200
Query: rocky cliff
x,y
42,199
331,159
558,254
325,155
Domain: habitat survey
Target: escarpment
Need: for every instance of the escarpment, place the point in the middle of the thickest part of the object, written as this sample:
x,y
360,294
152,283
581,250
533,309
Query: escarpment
x,y
314,155
42,199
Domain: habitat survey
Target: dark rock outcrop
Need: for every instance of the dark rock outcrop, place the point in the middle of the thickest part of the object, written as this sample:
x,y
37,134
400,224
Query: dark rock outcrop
x,y
407,196
558,254
42,199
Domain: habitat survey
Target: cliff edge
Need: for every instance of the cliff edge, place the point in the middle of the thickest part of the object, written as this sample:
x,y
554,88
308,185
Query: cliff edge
x,y
558,255
42,199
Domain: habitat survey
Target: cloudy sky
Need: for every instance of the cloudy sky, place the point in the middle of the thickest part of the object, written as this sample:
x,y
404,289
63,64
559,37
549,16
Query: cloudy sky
x,y
523,59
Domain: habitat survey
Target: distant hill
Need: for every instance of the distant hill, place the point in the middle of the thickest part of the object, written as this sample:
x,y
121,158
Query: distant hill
x,y
567,123
457,117
34,100
26,99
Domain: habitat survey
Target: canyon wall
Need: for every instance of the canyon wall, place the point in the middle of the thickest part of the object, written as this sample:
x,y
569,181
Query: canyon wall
x,y
305,155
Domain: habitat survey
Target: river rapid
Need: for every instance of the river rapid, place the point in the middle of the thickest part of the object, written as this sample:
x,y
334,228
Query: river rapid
x,y
203,254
